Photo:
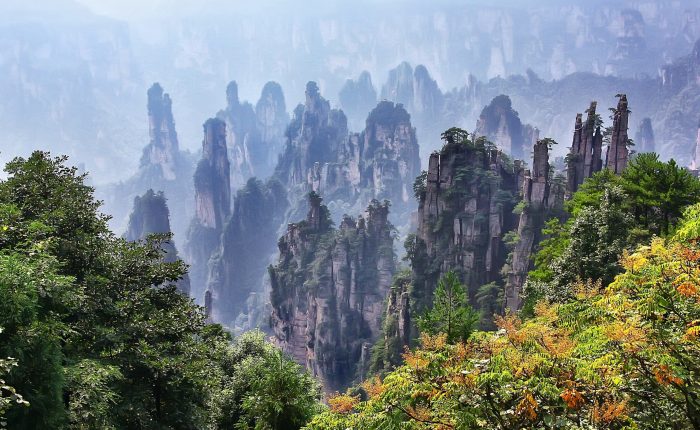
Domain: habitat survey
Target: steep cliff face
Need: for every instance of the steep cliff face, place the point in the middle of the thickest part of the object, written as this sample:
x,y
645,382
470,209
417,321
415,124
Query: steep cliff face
x,y
162,151
390,159
464,211
272,120
357,97
420,95
314,135
246,151
329,289
163,167
644,138
618,153
536,199
247,246
150,215
500,124
586,149
212,203
350,169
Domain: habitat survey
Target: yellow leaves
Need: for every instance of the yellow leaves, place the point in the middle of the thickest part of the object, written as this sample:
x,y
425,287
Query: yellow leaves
x,y
558,344
628,333
609,411
343,403
547,311
415,360
374,387
573,398
636,261
527,407
664,376
693,331
587,290
511,324
433,343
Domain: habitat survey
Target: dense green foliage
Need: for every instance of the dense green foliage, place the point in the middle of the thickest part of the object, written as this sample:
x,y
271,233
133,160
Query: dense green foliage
x,y
450,313
99,334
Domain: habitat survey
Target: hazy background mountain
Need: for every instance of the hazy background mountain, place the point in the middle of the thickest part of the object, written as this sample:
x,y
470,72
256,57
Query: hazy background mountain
x,y
73,74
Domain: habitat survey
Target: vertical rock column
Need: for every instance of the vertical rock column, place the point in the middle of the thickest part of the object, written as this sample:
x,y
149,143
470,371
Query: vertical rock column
x,y
212,203
586,149
644,138
618,152
535,195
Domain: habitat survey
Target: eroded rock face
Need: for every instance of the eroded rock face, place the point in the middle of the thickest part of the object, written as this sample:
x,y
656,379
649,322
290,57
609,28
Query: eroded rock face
x,y
329,289
535,195
163,167
247,245
162,150
585,155
349,169
618,153
500,124
390,159
150,215
212,203
314,135
644,138
272,120
246,151
462,217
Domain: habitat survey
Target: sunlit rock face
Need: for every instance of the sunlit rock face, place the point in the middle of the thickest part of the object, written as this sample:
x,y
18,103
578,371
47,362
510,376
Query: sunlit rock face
x,y
150,215
585,154
328,291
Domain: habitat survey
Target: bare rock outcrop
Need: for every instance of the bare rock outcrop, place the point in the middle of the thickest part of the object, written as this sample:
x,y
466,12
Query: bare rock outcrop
x,y
329,289
349,169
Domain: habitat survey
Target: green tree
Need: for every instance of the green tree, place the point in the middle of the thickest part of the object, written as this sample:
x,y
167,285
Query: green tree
x,y
450,313
262,389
